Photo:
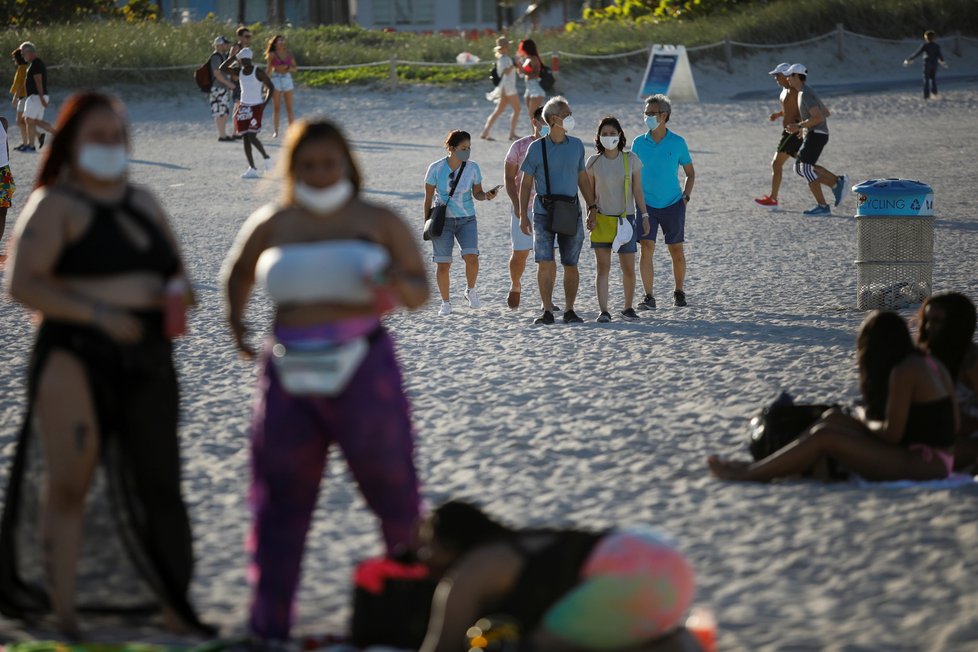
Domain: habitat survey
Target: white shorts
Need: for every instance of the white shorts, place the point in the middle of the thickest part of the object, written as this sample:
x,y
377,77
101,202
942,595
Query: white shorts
x,y
283,81
520,240
21,103
33,109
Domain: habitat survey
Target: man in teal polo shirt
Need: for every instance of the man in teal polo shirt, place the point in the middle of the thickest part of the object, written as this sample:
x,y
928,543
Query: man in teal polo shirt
x,y
662,152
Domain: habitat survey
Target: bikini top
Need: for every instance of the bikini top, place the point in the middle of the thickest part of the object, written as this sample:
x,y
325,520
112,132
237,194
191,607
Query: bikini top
x,y
334,271
104,249
548,574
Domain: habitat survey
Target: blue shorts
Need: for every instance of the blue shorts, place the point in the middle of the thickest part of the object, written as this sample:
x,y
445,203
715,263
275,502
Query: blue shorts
x,y
629,247
462,229
543,242
672,219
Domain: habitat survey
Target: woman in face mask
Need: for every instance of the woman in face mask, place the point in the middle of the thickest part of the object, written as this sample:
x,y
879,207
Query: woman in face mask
x,y
95,258
616,178
333,264
454,181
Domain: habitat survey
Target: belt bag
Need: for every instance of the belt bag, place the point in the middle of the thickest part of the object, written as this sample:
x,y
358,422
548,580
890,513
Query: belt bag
x,y
606,227
563,213
322,369
435,224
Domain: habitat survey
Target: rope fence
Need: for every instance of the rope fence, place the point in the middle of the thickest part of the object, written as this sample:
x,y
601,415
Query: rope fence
x,y
839,34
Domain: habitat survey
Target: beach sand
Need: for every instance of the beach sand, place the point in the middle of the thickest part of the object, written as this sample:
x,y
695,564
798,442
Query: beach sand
x,y
602,425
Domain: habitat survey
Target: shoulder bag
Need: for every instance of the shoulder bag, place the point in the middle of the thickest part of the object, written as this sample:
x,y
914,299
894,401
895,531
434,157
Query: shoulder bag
x,y
563,210
607,227
435,224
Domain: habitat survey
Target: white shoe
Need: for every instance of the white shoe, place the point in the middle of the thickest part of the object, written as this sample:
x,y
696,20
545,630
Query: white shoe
x,y
250,173
472,296
268,164
446,308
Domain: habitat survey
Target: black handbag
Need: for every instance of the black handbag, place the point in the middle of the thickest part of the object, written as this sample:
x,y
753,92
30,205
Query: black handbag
x,y
563,210
435,224
781,423
547,79
391,604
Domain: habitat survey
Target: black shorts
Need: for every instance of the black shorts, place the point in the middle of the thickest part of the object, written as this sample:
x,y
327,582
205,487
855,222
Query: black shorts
x,y
789,143
811,147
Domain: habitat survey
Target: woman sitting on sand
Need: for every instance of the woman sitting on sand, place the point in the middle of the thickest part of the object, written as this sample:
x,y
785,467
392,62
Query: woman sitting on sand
x,y
332,263
565,589
947,326
98,451
911,417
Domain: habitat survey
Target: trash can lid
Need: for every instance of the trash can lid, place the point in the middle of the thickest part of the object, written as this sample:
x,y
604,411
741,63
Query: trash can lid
x,y
894,197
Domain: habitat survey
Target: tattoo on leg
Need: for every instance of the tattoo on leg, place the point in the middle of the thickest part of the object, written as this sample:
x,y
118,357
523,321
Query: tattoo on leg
x,y
81,433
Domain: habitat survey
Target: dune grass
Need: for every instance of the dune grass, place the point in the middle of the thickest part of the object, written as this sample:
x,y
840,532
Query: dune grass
x,y
87,51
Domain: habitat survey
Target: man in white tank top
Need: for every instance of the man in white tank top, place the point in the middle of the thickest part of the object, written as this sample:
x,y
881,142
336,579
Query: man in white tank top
x,y
247,115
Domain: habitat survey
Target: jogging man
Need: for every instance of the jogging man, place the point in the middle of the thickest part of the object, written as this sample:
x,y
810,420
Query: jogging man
x,y
814,124
789,143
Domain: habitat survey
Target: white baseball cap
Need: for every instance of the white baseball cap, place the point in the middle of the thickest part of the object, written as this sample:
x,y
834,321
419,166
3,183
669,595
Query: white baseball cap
x,y
780,69
220,40
796,69
244,53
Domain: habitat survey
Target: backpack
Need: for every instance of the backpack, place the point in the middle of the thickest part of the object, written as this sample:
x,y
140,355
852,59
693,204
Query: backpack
x,y
547,79
494,76
203,75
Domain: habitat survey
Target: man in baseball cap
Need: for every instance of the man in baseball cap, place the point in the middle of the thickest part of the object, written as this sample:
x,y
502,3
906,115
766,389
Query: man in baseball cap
x,y
788,143
221,87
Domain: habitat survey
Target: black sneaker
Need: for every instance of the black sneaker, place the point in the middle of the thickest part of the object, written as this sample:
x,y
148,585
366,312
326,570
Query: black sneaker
x,y
570,317
648,303
629,314
40,140
680,298
555,308
603,318
546,318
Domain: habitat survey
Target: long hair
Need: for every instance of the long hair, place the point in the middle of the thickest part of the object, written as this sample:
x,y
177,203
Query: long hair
x,y
19,57
463,526
612,121
305,131
62,144
270,47
528,48
883,343
949,341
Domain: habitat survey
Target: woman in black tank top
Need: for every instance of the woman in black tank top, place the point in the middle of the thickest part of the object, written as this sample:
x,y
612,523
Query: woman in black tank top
x,y
97,463
909,425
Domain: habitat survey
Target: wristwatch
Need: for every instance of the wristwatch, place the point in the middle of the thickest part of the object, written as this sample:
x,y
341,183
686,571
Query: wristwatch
x,y
592,206
686,197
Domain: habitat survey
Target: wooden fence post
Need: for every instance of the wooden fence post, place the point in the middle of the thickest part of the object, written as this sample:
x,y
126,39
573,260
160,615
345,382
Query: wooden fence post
x,y
728,53
840,32
393,72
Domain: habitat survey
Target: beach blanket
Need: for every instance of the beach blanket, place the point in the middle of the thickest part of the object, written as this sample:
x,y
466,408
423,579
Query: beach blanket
x,y
953,481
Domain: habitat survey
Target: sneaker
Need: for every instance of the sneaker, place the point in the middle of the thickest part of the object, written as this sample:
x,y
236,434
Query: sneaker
x,y
603,318
820,209
268,164
21,147
28,148
570,317
648,303
555,308
680,297
472,296
546,318
250,173
839,189
446,308
40,140
766,202
629,314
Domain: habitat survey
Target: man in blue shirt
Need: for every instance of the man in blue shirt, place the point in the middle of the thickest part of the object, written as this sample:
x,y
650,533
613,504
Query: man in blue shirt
x,y
565,160
662,153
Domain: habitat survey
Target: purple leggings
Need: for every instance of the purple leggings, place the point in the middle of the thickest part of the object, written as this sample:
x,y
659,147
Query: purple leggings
x,y
291,436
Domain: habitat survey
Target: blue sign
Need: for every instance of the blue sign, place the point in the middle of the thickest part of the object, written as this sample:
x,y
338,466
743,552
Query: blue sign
x,y
659,73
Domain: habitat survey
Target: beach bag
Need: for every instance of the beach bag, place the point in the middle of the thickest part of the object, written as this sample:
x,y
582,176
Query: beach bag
x,y
435,224
547,79
606,227
203,76
781,423
391,603
563,211
494,75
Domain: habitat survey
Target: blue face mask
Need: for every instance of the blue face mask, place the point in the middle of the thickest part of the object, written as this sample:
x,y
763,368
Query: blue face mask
x,y
544,131
651,122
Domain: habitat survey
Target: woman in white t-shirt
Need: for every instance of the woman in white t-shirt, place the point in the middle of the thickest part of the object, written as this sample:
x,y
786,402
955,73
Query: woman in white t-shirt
x,y
616,177
505,93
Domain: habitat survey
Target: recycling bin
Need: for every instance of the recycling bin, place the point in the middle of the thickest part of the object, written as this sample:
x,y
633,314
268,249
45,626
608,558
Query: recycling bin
x,y
895,242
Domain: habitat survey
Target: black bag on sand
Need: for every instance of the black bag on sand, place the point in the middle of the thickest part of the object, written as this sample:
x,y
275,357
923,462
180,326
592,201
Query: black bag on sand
x,y
563,210
391,603
780,423
435,224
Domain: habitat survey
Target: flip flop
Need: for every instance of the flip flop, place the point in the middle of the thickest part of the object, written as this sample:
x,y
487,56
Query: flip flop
x,y
513,300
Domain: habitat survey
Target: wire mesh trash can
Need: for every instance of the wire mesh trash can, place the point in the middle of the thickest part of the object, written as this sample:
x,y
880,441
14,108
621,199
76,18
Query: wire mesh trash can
x,y
895,240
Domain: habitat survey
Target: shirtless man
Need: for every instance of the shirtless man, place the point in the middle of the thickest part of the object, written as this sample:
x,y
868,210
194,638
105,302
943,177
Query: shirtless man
x,y
789,143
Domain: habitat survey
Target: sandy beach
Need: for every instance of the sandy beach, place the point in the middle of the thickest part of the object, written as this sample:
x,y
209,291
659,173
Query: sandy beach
x,y
600,425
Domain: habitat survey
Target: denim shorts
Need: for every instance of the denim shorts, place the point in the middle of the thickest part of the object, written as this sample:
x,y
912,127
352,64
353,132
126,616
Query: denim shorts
x,y
672,219
543,242
520,240
629,247
283,81
462,229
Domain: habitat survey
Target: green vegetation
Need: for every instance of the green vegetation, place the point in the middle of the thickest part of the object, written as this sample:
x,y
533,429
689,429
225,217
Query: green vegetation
x,y
88,49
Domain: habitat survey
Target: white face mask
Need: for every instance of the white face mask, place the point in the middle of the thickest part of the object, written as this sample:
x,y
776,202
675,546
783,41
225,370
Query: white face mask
x,y
104,162
324,200
610,142
569,123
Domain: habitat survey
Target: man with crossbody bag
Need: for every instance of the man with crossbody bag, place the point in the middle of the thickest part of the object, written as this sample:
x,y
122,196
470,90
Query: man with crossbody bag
x,y
556,164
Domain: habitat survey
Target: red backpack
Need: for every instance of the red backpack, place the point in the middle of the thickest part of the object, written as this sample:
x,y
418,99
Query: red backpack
x,y
203,75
